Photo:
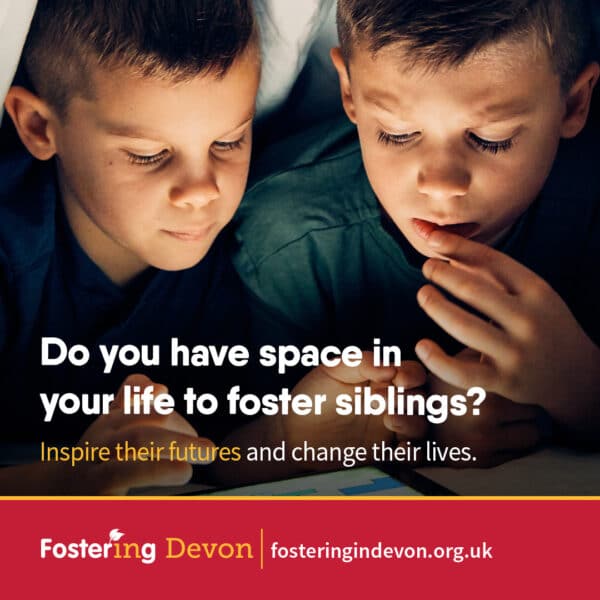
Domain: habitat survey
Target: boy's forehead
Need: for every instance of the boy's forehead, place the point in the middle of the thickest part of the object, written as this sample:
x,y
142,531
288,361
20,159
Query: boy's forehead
x,y
111,80
123,102
507,52
503,78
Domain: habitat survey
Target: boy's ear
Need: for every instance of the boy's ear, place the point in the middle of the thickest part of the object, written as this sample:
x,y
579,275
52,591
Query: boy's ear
x,y
345,89
579,98
31,117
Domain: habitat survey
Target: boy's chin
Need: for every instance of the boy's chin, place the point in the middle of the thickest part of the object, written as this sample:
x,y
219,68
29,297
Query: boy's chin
x,y
179,263
182,252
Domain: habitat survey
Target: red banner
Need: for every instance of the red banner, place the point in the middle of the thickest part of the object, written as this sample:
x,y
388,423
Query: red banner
x,y
299,548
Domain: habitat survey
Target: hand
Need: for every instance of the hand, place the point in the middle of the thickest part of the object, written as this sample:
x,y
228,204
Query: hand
x,y
502,430
533,350
138,431
327,429
330,429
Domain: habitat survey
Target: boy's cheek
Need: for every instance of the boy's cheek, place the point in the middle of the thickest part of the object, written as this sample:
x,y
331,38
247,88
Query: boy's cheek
x,y
388,180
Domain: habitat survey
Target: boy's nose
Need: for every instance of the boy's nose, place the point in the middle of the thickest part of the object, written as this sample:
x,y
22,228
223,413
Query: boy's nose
x,y
195,193
443,181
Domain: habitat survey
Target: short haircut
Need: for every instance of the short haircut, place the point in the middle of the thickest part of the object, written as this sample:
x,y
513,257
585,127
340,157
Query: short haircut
x,y
174,40
440,33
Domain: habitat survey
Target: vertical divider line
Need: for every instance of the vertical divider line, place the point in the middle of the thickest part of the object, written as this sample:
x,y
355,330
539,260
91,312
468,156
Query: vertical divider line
x,y
262,549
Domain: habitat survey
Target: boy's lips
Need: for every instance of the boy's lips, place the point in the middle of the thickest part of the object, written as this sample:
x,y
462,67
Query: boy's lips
x,y
190,235
425,228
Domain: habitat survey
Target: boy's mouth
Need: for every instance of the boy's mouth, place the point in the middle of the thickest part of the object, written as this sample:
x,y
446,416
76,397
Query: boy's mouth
x,y
425,228
192,235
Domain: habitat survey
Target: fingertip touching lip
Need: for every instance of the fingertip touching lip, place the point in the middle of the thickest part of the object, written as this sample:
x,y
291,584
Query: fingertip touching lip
x,y
425,228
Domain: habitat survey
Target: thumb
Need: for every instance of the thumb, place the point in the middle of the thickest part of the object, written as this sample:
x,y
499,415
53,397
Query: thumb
x,y
137,380
366,371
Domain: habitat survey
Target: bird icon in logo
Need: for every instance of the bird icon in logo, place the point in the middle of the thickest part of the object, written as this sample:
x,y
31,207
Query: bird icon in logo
x,y
114,535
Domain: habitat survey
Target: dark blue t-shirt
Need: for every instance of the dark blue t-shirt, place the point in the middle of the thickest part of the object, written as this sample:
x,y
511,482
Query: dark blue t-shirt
x,y
49,287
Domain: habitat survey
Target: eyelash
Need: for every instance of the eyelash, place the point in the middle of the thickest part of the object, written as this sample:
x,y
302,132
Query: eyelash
x,y
493,147
155,159
145,161
396,140
228,146
484,145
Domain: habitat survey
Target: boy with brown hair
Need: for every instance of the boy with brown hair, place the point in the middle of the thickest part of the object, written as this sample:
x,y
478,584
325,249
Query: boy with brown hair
x,y
137,122
459,109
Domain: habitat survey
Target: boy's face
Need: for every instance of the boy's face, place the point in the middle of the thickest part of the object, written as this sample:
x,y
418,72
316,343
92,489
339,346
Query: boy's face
x,y
465,148
151,171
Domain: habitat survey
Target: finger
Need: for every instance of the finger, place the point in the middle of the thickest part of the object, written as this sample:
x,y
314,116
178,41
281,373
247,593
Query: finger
x,y
468,329
406,427
475,290
136,383
453,370
513,276
137,379
410,374
366,371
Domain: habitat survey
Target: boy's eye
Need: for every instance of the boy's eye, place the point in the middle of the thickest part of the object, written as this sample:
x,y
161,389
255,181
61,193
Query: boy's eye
x,y
400,139
145,160
228,146
488,146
